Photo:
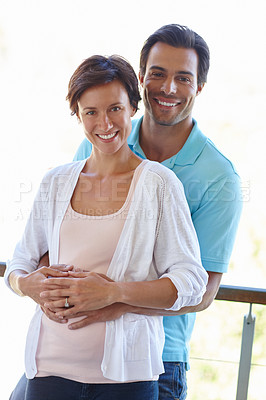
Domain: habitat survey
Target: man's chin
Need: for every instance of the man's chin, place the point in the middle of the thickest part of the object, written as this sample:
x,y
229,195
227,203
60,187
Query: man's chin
x,y
166,122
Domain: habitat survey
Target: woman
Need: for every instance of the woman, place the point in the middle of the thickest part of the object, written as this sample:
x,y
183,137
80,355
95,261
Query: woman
x,y
124,224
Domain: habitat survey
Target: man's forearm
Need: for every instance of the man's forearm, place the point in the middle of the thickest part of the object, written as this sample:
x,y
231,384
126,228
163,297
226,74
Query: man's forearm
x,y
165,313
44,261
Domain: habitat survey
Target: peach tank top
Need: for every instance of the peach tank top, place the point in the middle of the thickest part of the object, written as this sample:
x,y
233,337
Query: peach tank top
x,y
88,242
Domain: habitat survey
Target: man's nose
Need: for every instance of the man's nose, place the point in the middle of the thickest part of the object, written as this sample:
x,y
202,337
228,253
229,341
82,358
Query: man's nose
x,y
169,86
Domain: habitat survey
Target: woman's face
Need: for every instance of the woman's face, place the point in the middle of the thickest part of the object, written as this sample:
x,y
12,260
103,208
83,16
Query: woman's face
x,y
105,113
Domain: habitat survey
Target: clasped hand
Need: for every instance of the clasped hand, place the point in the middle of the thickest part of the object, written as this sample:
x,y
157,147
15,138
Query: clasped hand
x,y
85,291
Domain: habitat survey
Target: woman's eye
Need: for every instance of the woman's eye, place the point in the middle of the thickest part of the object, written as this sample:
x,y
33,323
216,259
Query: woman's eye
x,y
116,108
90,112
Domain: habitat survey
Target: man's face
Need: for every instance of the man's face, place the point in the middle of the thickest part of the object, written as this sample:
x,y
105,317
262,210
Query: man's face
x,y
170,83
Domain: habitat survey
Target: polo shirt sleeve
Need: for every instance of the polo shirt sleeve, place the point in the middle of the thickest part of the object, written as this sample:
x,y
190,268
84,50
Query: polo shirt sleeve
x,y
84,150
216,221
176,252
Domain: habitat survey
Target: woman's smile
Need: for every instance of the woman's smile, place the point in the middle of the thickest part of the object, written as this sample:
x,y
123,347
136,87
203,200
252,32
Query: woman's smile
x,y
108,136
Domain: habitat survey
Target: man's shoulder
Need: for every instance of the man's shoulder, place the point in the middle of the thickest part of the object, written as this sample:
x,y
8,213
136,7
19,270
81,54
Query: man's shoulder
x,y
134,135
84,150
217,159
211,159
136,122
162,174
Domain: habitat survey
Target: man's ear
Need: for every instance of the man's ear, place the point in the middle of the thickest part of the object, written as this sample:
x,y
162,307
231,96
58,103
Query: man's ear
x,y
141,78
133,112
199,89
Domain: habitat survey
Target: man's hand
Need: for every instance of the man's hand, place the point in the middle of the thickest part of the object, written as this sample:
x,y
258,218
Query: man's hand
x,y
109,313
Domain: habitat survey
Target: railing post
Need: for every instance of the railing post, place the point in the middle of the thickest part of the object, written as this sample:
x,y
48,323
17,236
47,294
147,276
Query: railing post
x,y
245,355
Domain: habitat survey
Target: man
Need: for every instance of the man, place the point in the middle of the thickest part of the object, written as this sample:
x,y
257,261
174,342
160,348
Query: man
x,y
174,63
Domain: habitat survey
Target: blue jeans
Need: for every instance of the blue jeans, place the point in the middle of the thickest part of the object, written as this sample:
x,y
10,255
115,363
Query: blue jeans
x,y
173,383
56,388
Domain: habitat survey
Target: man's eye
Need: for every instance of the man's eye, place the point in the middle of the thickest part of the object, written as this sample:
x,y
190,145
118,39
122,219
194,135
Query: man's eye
x,y
157,74
183,79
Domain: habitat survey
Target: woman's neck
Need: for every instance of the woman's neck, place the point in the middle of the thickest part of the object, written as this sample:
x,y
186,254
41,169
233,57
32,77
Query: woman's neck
x,y
104,165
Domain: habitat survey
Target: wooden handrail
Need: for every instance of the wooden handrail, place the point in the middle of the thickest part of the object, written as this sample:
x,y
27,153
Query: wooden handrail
x,y
241,294
228,293
2,268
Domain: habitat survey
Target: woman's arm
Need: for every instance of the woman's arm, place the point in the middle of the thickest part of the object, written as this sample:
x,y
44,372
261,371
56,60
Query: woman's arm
x,y
116,310
91,291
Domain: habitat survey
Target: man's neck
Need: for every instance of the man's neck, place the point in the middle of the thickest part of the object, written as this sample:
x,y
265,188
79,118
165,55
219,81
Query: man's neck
x,y
160,142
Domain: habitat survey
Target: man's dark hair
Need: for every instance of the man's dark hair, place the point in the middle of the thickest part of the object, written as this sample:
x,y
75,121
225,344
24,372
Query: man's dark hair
x,y
178,36
98,70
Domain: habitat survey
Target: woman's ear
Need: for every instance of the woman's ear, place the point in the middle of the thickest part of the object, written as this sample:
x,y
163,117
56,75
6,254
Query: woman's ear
x,y
78,117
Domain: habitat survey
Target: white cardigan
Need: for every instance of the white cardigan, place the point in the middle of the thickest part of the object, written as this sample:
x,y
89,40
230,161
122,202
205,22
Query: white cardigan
x,y
158,240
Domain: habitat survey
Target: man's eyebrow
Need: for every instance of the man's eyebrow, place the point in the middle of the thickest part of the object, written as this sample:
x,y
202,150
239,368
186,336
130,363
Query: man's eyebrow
x,y
164,69
185,73
157,67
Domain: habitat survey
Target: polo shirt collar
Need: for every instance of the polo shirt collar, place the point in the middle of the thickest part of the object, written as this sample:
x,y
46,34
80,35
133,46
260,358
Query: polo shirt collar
x,y
133,139
186,156
192,148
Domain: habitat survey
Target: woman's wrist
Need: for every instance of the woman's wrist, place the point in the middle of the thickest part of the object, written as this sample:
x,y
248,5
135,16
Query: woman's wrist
x,y
16,279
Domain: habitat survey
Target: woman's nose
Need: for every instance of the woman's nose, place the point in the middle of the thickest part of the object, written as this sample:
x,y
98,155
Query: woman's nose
x,y
105,123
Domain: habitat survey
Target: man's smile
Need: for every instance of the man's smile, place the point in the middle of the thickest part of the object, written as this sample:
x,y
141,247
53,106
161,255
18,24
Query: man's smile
x,y
167,103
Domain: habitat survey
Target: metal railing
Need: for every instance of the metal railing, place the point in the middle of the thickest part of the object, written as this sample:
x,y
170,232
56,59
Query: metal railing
x,y
251,296
240,295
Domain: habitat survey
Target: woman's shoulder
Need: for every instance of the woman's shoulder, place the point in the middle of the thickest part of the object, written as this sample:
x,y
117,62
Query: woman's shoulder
x,y
163,173
64,170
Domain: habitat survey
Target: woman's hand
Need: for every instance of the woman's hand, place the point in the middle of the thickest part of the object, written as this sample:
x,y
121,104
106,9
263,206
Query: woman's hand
x,y
32,284
85,291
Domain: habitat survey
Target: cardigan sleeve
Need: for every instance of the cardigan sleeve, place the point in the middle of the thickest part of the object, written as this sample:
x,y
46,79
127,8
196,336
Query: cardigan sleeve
x,y
33,244
177,252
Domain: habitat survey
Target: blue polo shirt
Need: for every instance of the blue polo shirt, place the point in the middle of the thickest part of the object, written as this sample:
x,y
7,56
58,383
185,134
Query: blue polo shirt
x,y
212,188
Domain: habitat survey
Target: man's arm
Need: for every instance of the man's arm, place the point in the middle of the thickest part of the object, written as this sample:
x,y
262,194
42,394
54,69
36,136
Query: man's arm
x,y
116,310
